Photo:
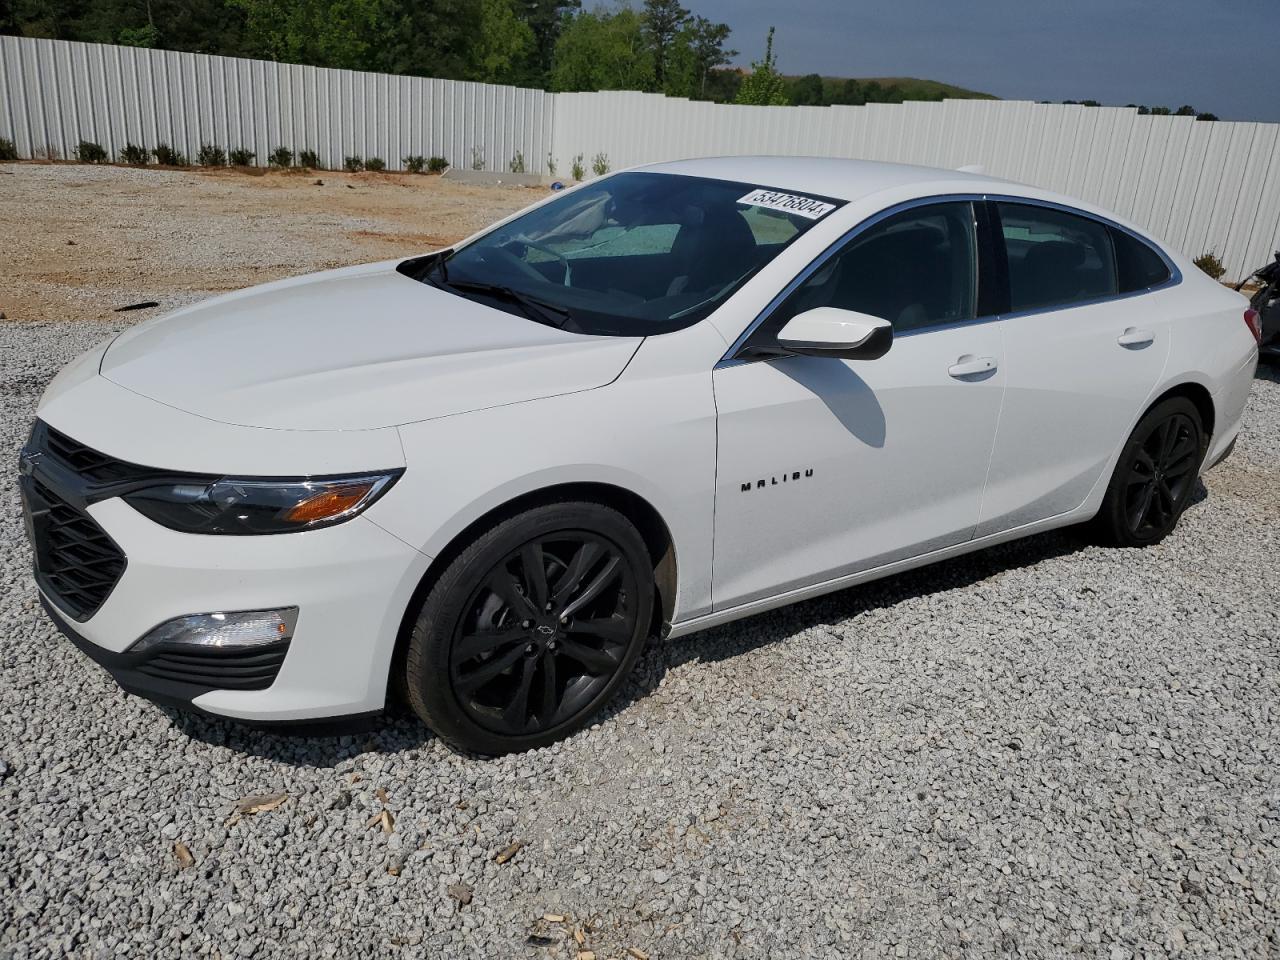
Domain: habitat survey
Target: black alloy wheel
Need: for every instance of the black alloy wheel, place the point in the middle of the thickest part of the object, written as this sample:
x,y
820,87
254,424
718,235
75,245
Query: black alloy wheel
x,y
1154,477
1160,476
544,633
531,628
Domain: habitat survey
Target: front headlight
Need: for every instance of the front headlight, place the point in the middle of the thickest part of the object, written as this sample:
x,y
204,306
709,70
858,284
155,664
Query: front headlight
x,y
233,506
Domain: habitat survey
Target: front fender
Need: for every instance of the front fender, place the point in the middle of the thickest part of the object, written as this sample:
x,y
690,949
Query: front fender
x,y
656,444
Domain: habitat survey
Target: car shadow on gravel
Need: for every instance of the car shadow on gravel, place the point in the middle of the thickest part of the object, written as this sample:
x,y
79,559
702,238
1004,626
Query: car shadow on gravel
x,y
399,731
742,636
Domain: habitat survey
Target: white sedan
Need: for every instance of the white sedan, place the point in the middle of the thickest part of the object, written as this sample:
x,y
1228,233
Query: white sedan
x,y
663,400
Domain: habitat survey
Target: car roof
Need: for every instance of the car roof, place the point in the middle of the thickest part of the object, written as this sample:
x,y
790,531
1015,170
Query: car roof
x,y
832,177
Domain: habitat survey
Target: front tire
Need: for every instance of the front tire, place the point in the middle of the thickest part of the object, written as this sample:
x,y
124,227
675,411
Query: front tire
x,y
530,630
1154,477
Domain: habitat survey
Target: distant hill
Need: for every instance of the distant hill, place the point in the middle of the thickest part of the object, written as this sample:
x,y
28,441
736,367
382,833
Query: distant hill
x,y
914,88
814,90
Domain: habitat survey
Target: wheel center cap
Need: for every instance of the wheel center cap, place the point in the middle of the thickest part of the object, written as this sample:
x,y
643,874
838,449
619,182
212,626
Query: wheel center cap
x,y
546,631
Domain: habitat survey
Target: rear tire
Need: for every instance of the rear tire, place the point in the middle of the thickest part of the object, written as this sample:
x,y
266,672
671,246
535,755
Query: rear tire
x,y
531,629
1154,477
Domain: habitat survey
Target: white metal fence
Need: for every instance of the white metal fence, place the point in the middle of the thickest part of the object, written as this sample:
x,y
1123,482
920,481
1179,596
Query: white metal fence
x,y
54,94
1199,186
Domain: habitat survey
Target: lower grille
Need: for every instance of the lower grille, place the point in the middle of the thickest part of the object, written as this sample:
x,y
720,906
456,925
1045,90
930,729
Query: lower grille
x,y
76,562
253,669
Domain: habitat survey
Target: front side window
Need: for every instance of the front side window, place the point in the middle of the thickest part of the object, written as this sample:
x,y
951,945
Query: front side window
x,y
916,269
634,254
1055,258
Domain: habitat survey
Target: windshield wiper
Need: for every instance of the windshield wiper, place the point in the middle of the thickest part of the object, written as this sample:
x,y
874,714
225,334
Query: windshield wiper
x,y
437,267
537,310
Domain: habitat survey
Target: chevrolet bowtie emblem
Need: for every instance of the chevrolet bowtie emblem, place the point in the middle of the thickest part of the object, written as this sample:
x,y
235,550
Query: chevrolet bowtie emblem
x,y
27,461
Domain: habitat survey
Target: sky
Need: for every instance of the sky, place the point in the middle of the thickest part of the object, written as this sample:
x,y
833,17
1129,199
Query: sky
x,y
1221,56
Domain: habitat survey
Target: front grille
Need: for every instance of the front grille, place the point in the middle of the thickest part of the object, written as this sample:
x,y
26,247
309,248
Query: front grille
x,y
253,669
76,561
87,462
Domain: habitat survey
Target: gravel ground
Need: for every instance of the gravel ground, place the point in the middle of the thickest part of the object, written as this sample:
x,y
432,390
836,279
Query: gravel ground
x,y
1041,750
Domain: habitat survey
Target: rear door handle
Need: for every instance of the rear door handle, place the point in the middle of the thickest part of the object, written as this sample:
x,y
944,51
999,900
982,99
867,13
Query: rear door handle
x,y
971,366
1135,337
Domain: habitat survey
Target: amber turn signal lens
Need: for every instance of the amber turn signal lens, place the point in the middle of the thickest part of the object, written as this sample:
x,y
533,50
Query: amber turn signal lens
x,y
328,504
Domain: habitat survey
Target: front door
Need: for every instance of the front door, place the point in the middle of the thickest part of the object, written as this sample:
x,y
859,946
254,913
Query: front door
x,y
828,467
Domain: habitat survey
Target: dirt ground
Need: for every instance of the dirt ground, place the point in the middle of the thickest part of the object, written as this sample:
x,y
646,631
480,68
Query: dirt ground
x,y
80,241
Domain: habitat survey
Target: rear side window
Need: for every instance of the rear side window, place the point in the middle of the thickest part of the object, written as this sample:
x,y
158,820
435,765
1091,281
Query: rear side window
x,y
1055,258
1137,265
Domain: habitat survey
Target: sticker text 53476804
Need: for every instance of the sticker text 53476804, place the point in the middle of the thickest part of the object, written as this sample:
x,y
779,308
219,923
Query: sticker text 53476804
x,y
806,207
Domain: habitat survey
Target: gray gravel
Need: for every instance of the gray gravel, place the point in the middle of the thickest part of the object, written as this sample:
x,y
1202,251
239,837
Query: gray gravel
x,y
1041,750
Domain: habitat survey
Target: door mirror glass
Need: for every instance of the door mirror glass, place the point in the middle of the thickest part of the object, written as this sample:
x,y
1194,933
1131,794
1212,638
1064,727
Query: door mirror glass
x,y
831,332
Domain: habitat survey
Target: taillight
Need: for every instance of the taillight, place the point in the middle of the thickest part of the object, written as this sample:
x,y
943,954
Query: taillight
x,y
1253,320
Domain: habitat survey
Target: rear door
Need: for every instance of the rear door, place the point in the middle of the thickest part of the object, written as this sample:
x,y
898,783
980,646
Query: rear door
x,y
1082,354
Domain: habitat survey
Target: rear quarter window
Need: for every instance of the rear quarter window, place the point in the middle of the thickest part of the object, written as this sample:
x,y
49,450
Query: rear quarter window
x,y
1138,266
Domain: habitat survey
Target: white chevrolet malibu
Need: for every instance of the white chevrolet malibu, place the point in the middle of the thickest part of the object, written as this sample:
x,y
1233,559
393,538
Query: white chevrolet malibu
x,y
662,400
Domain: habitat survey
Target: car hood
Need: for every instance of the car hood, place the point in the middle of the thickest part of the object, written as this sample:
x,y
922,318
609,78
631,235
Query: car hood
x,y
351,349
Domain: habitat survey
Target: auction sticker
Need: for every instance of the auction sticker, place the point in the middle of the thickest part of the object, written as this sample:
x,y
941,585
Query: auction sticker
x,y
789,203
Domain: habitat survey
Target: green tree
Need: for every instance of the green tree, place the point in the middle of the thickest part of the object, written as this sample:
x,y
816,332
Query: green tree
x,y
723,85
807,91
663,21
764,86
547,18
328,33
426,38
850,93
602,51
505,51
144,36
706,43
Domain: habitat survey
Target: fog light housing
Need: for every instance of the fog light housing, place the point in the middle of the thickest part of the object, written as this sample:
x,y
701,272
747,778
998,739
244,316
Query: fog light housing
x,y
230,631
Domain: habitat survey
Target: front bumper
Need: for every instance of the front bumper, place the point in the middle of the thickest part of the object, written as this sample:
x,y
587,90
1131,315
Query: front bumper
x,y
108,576
351,583
143,675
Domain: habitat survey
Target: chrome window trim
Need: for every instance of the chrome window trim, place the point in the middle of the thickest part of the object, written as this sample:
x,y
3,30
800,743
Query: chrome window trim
x,y
1175,275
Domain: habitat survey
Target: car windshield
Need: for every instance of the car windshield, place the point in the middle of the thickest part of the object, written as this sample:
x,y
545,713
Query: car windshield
x,y
634,254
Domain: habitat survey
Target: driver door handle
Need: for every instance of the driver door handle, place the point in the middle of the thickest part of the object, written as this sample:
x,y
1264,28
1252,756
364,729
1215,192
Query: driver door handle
x,y
1135,337
971,366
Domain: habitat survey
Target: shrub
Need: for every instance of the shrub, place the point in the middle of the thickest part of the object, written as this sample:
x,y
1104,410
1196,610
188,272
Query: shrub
x,y
517,162
375,164
47,152
89,152
1210,264
551,165
7,150
309,158
477,158
600,164
437,165
415,163
577,169
240,157
280,157
134,155
166,156
352,164
211,155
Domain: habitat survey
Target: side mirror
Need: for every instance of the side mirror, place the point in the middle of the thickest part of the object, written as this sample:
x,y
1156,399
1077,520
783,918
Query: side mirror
x,y
831,332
